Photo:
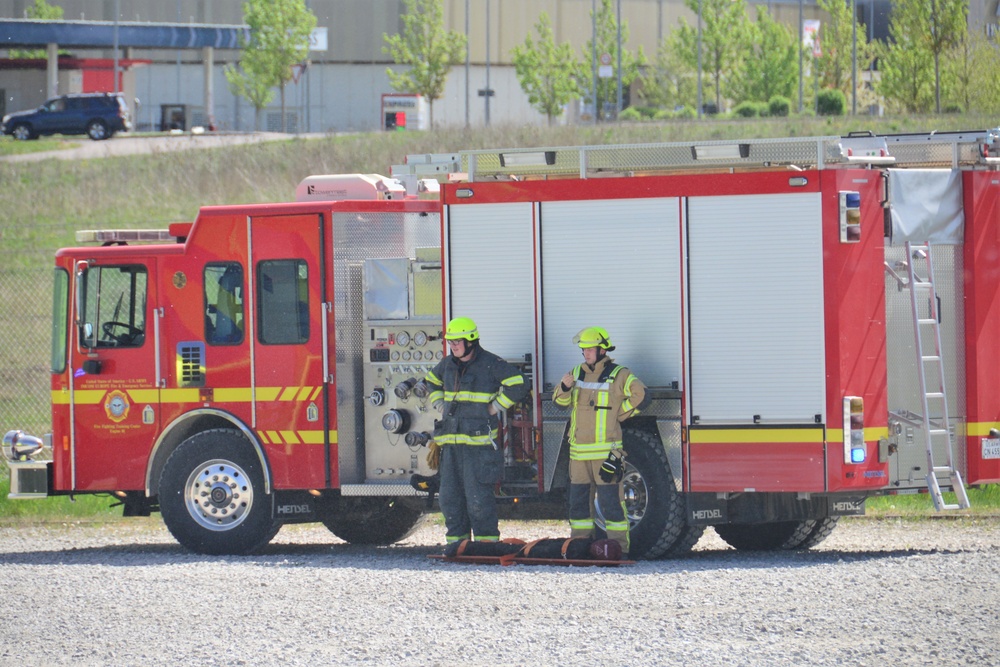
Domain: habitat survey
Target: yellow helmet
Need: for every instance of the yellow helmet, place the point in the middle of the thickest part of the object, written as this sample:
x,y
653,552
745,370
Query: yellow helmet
x,y
593,337
461,327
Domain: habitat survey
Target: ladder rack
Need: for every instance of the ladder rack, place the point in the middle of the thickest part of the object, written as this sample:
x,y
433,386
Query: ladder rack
x,y
968,149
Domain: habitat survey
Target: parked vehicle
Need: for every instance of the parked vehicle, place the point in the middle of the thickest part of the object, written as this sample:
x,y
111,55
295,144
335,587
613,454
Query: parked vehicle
x,y
815,319
98,115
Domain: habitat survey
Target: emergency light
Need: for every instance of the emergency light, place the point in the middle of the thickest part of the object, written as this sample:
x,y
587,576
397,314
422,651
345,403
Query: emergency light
x,y
850,217
854,430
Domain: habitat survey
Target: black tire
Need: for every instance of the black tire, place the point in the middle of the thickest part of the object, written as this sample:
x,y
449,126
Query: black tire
x,y
23,132
98,130
212,496
655,509
820,532
379,520
765,536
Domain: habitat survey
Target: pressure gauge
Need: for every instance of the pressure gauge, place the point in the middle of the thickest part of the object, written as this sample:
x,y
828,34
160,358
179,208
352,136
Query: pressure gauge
x,y
417,355
406,356
420,339
402,338
439,354
395,355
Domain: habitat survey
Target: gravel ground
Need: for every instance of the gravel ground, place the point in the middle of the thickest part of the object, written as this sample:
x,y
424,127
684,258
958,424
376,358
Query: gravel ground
x,y
876,592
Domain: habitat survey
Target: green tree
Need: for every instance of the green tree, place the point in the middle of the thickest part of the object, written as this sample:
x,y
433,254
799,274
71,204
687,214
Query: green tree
x,y
947,27
837,43
725,26
607,43
429,50
670,82
770,65
906,64
279,39
971,67
546,70
41,11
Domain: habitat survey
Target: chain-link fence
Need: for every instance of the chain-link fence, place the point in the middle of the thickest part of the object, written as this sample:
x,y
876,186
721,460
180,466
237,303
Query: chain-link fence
x,y
25,344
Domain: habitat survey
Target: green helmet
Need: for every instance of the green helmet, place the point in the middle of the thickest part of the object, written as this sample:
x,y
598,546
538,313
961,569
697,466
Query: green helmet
x,y
594,337
462,327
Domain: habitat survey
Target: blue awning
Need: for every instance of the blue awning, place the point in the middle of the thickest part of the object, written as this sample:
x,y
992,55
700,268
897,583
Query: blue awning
x,y
24,33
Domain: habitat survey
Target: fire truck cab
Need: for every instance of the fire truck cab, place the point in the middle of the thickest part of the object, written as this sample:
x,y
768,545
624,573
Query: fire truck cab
x,y
814,319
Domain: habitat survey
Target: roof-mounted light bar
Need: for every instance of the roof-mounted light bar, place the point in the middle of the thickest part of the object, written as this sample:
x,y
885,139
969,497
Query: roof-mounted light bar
x,y
108,236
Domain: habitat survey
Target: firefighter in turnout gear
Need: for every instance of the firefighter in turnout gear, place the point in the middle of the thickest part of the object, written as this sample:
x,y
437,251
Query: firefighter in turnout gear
x,y
471,387
602,394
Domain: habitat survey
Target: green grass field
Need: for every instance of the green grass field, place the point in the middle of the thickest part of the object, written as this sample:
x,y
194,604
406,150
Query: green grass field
x,y
44,203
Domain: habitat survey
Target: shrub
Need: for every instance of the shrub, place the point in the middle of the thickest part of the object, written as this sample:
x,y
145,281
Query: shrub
x,y
952,108
685,113
779,105
630,114
663,114
830,103
746,110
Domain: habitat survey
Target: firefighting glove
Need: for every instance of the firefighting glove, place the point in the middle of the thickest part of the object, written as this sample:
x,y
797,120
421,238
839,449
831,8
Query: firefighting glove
x,y
439,405
612,470
433,455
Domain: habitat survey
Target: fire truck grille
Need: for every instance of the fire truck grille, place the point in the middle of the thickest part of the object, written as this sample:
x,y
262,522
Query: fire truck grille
x,y
191,364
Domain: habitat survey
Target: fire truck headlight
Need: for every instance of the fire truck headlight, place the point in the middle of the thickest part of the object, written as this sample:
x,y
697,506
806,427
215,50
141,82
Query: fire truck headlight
x,y
20,447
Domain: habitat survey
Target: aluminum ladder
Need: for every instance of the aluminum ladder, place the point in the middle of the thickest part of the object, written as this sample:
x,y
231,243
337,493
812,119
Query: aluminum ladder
x,y
936,431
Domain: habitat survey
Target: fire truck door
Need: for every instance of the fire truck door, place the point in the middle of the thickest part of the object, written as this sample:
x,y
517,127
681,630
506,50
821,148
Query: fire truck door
x,y
115,392
290,364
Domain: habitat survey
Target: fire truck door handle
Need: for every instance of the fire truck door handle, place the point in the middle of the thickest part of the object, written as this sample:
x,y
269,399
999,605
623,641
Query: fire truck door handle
x,y
327,377
157,315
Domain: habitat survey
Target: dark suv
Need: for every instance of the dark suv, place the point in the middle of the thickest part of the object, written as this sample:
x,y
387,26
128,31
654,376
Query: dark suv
x,y
98,115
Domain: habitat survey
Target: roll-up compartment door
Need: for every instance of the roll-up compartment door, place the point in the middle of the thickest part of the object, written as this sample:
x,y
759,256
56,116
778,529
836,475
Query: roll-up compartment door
x,y
756,308
491,274
614,264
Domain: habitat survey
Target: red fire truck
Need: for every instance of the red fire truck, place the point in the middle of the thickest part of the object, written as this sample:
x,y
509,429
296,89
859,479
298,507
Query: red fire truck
x,y
817,320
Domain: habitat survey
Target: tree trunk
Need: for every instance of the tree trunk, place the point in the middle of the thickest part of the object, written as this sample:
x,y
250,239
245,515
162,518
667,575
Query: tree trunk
x,y
284,128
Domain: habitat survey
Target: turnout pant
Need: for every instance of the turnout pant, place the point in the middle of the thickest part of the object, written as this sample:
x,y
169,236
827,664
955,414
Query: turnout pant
x,y
469,474
586,485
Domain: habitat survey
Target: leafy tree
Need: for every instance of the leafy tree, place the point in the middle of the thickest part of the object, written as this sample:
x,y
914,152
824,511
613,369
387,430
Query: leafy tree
x,y
725,26
906,64
770,65
42,11
607,42
546,70
671,82
427,48
279,39
970,68
948,26
837,42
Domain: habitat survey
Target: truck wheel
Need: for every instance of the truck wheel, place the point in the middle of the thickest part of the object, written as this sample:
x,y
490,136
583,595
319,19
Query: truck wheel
x,y
657,526
372,520
212,496
820,532
97,130
767,536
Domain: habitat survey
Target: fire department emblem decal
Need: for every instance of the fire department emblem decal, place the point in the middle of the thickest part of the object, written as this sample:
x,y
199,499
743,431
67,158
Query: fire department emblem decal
x,y
116,406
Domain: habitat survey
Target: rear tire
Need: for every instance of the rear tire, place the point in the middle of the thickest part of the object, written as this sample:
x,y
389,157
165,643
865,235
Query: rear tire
x,y
372,520
212,496
97,130
778,535
655,509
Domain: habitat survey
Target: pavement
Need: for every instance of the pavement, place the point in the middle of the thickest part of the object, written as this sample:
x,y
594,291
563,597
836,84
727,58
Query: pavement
x,y
85,149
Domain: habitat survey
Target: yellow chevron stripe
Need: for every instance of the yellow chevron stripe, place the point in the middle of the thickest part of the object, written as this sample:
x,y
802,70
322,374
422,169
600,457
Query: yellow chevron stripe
x,y
316,393
87,396
263,437
192,395
290,437
274,437
980,429
185,395
288,393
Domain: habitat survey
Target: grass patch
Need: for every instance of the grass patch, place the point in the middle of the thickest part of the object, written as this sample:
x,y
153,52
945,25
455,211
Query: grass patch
x,y
983,500
10,146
